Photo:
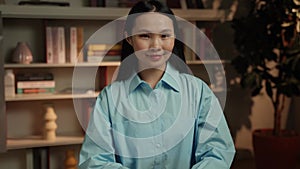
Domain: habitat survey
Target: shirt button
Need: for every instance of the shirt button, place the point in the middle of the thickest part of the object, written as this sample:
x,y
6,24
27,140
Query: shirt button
x,y
158,145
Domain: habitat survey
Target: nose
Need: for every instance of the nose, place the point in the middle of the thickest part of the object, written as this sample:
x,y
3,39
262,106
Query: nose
x,y
155,43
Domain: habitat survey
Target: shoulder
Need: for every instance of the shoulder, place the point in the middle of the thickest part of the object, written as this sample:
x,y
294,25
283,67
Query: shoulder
x,y
112,89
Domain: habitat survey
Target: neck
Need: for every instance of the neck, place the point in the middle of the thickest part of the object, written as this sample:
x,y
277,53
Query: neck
x,y
151,76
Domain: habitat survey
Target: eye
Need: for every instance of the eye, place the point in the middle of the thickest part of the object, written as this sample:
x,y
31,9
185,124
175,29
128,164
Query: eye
x,y
165,36
144,36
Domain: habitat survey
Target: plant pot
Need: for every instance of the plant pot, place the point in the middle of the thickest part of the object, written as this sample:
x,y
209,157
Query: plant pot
x,y
276,152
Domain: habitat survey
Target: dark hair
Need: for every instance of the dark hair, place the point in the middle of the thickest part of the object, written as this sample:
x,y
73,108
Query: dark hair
x,y
127,50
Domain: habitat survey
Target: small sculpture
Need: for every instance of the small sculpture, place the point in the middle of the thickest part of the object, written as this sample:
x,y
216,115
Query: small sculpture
x,y
50,124
70,161
22,53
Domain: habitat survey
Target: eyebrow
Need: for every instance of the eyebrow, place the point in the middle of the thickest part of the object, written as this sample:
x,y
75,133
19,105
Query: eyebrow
x,y
148,31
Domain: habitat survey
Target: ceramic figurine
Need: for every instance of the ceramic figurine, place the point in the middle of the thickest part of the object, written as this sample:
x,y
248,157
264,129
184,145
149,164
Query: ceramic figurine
x,y
70,161
50,124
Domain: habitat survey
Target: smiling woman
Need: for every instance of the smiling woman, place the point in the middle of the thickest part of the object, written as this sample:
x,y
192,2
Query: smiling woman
x,y
156,114
152,40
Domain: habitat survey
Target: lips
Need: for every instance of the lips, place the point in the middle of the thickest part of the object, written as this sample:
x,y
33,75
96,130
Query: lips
x,y
156,57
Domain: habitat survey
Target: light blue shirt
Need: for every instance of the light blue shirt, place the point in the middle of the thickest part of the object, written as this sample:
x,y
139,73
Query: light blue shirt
x,y
177,125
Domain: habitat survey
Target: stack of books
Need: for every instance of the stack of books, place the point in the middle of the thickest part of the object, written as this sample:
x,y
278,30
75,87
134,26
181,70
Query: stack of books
x,y
33,83
103,52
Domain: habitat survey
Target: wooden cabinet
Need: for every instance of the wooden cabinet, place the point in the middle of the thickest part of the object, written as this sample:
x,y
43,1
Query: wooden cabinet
x,y
21,117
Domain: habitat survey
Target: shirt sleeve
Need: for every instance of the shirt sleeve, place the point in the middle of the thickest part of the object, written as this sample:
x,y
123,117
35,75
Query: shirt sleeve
x,y
214,147
97,150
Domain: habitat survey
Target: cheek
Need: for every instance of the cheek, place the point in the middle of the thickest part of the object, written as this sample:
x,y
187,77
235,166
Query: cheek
x,y
140,45
169,46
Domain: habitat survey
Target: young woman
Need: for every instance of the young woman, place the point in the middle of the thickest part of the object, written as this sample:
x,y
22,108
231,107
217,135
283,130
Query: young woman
x,y
156,115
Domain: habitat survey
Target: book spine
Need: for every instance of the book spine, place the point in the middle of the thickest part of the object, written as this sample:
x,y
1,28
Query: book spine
x,y
38,77
36,84
93,3
61,45
100,3
96,53
104,47
73,45
99,47
55,44
49,46
80,43
199,4
93,59
35,90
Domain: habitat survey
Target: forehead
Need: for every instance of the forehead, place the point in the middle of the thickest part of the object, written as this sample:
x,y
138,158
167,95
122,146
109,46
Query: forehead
x,y
153,22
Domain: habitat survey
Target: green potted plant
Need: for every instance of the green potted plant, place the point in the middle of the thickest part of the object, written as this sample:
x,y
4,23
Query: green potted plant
x,y
267,41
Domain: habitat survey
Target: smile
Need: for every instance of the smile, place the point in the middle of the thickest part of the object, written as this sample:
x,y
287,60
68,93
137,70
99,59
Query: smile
x,y
156,57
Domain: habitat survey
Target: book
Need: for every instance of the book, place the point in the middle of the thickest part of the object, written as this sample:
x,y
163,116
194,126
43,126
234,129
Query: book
x,y
103,53
73,45
199,4
97,3
49,45
36,84
80,44
93,59
55,45
103,47
61,45
34,76
183,4
35,90
127,3
111,3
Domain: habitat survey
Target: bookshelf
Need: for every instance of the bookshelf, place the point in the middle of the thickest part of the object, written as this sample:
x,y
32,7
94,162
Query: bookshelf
x,y
99,13
23,111
37,141
32,97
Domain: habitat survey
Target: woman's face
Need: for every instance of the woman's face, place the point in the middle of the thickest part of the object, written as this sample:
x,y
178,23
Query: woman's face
x,y
153,40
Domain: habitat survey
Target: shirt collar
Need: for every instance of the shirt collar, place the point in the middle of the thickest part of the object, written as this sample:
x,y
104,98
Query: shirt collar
x,y
170,78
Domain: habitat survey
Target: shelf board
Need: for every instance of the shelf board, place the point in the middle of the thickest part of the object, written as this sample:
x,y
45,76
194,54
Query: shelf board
x,y
46,65
113,63
38,141
199,62
98,13
31,97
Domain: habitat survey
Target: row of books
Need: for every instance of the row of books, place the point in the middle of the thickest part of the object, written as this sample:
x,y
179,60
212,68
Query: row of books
x,y
64,45
29,83
103,52
202,43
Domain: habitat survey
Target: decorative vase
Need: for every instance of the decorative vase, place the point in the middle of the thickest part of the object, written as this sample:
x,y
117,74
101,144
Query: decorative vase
x,y
22,53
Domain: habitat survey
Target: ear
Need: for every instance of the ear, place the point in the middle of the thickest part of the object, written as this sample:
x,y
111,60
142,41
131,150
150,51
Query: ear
x,y
128,39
